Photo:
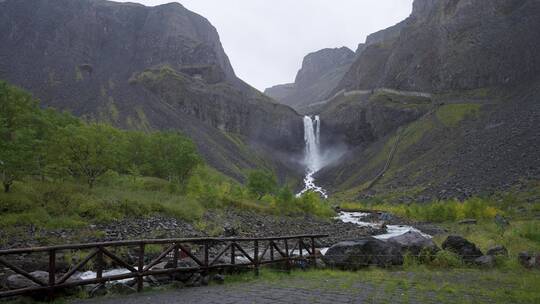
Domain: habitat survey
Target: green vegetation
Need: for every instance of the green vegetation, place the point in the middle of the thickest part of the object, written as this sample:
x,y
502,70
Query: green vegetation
x,y
410,284
437,212
452,114
261,182
61,172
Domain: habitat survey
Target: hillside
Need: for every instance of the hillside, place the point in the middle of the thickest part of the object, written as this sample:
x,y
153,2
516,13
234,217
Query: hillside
x,y
444,104
145,68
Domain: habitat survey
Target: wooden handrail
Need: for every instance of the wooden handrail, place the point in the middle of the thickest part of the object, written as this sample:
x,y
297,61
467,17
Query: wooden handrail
x,y
139,271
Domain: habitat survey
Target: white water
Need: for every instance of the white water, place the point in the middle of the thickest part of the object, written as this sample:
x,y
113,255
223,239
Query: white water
x,y
312,157
391,230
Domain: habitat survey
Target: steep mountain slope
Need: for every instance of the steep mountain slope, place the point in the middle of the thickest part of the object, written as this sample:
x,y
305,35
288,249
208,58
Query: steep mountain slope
x,y
444,104
452,45
143,67
320,73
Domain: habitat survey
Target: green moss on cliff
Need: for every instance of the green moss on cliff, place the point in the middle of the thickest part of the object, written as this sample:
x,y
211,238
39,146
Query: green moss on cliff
x,y
451,115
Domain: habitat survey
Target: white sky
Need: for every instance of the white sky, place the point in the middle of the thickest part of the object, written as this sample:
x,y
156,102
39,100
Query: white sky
x,y
266,40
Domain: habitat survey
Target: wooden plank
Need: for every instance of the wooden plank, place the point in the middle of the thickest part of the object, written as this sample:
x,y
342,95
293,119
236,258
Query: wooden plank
x,y
160,257
118,260
22,272
66,276
149,241
188,252
222,252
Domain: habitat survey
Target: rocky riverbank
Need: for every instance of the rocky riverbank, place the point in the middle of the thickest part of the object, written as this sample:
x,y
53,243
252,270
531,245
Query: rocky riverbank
x,y
216,223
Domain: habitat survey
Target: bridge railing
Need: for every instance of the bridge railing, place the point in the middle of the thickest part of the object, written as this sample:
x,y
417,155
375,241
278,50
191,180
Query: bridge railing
x,y
202,254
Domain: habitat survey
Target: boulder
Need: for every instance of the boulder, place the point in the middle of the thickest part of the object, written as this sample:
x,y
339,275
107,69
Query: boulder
x,y
497,250
17,281
218,278
529,260
363,252
98,291
414,243
195,280
486,261
462,247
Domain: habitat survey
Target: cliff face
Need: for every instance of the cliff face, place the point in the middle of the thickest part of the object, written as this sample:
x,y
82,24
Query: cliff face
x,y
321,71
143,67
476,130
452,45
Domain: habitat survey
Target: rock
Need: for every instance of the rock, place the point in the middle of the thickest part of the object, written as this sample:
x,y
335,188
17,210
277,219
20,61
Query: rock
x,y
219,278
414,243
195,280
487,261
121,288
468,222
459,245
17,281
98,291
363,252
205,280
321,71
528,260
497,250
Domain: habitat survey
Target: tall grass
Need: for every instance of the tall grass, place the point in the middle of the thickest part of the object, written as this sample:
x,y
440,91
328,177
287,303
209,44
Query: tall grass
x,y
440,211
70,204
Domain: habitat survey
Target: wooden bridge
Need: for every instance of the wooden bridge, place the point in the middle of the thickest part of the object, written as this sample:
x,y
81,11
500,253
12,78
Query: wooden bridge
x,y
205,253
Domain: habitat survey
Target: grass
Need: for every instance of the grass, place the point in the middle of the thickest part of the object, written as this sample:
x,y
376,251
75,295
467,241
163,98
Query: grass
x,y
69,204
452,114
438,212
417,284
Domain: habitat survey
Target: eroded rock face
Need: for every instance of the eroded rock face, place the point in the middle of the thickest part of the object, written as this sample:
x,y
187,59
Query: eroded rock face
x,y
320,73
363,252
452,45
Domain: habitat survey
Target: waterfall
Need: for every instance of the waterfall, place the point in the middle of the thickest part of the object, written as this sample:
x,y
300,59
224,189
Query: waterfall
x,y
312,156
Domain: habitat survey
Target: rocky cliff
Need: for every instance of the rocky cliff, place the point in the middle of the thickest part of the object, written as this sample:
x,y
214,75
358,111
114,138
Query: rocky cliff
x,y
452,45
320,73
444,104
143,67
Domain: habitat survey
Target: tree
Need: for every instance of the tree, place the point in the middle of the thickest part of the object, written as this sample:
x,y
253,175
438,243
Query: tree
x,y
261,182
90,150
18,111
173,156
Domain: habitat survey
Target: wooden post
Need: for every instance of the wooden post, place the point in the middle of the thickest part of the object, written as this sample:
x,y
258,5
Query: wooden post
x,y
52,272
233,258
176,255
99,264
313,253
256,256
300,247
141,267
271,250
288,265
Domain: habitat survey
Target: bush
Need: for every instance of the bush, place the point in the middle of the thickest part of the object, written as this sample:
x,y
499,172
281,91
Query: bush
x,y
446,259
530,231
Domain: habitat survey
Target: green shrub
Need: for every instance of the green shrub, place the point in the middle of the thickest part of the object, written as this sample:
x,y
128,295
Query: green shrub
x,y
530,231
446,259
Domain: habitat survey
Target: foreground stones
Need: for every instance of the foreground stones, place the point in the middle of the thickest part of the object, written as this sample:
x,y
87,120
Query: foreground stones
x,y
363,252
462,247
529,260
414,243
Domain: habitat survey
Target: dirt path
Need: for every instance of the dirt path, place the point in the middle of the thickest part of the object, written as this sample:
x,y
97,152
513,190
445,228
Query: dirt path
x,y
360,287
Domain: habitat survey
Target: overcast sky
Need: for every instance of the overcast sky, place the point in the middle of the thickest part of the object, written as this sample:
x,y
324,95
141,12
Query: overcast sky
x,y
267,39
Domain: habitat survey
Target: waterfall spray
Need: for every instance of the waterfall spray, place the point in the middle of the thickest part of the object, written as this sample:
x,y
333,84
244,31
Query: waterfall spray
x,y
312,157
